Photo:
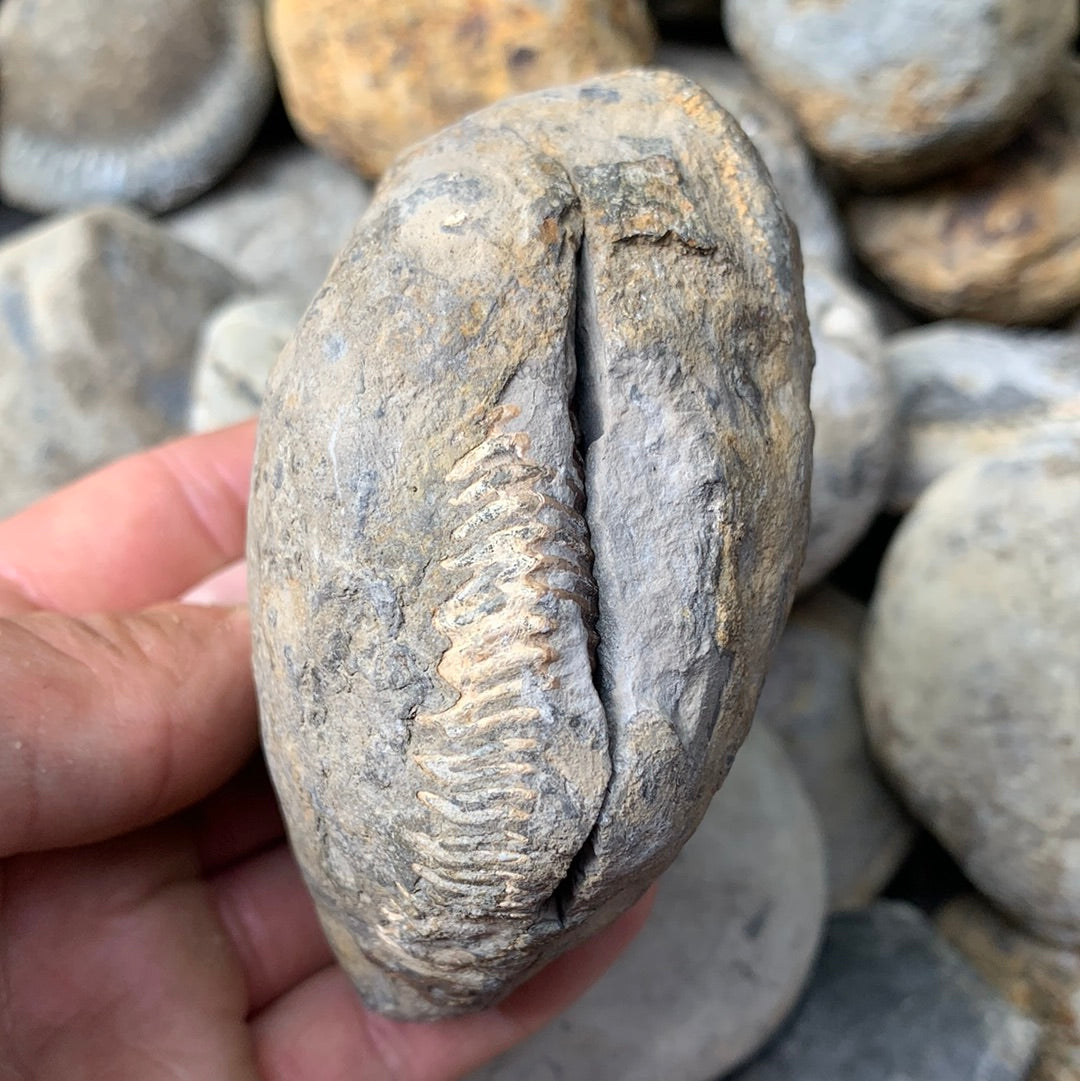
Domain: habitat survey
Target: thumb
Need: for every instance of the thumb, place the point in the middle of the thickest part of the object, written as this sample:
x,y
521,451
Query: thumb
x,y
109,722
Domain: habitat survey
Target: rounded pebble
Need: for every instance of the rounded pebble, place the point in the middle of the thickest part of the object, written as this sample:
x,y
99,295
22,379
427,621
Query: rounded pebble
x,y
998,242
137,101
810,699
363,81
893,93
967,389
971,680
723,956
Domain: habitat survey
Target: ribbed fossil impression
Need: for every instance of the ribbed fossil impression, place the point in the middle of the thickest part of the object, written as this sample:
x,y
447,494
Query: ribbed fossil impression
x,y
529,505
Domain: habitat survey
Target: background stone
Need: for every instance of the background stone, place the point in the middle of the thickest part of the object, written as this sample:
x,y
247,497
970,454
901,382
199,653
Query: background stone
x,y
1000,241
853,402
895,93
140,101
889,1001
967,389
970,679
723,956
100,316
363,81
810,700
238,349
279,221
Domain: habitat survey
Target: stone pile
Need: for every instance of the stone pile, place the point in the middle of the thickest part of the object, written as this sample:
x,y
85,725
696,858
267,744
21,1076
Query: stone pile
x,y
928,154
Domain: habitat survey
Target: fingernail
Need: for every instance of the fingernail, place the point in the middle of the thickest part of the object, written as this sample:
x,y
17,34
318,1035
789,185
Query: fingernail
x,y
227,586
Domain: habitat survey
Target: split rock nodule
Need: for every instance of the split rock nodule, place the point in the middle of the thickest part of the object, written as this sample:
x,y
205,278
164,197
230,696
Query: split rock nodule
x,y
529,503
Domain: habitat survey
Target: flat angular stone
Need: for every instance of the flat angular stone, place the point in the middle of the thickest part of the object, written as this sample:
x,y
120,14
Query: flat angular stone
x,y
529,502
853,401
890,1001
967,389
999,241
970,680
724,955
894,93
802,191
279,221
364,81
810,699
100,316
238,349
1039,980
135,101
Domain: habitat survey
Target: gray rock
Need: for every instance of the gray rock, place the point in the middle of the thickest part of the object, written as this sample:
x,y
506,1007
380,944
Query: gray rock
x,y
723,956
239,347
139,101
853,402
967,389
279,221
893,93
810,699
1040,980
100,316
890,1001
529,499
997,242
970,680
802,191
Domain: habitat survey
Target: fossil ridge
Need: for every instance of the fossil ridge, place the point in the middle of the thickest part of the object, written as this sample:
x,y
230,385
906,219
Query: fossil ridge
x,y
529,504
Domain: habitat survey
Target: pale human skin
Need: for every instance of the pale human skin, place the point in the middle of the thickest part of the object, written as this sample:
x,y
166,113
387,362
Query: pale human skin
x,y
153,924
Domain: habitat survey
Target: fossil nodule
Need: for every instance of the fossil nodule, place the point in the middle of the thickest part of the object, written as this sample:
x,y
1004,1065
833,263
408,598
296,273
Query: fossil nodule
x,y
529,505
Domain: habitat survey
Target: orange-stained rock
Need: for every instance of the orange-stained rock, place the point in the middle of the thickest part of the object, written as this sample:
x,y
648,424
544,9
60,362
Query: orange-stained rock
x,y
999,242
362,79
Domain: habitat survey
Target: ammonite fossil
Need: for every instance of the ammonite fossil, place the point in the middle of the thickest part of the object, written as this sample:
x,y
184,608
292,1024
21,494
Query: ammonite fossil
x,y
529,505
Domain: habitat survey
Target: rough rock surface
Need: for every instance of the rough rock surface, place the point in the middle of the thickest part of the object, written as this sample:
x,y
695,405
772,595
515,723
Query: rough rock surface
x,y
890,1001
1039,980
810,699
853,402
139,101
771,130
726,951
529,503
970,679
896,92
100,316
967,389
239,347
363,81
279,221
998,242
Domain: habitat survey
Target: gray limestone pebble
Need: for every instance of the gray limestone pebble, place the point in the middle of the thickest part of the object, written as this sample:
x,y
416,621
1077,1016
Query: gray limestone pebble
x,y
810,699
529,501
137,101
279,221
724,954
803,192
998,241
853,401
968,389
970,681
891,1001
1041,981
100,315
238,349
893,93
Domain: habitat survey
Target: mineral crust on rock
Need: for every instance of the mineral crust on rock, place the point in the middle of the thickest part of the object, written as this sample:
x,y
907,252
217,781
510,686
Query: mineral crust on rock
x,y
529,504
364,80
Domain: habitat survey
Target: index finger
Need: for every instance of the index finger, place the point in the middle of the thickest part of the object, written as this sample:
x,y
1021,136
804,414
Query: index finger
x,y
137,532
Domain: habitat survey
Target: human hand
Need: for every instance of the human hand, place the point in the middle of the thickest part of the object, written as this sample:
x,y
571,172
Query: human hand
x,y
153,923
